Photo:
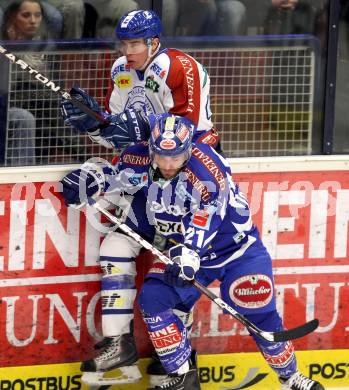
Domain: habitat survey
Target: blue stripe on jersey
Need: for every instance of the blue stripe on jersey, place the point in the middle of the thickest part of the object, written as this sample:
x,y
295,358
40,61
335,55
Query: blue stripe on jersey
x,y
114,259
117,311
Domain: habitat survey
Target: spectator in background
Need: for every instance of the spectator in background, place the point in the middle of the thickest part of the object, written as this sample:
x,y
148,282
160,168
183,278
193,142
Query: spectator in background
x,y
292,16
28,20
231,17
25,20
278,17
73,12
108,14
20,142
203,17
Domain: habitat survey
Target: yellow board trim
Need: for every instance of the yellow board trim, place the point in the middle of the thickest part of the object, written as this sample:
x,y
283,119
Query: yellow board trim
x,y
217,372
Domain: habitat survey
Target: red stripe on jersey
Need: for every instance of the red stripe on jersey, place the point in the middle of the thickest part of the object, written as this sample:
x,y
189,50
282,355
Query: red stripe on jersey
x,y
184,81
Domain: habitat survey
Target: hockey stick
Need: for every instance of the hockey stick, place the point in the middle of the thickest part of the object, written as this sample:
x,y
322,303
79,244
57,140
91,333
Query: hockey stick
x,y
51,85
285,335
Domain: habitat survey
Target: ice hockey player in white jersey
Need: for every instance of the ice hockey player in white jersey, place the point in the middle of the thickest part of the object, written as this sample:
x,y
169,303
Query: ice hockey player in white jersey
x,y
147,79
186,191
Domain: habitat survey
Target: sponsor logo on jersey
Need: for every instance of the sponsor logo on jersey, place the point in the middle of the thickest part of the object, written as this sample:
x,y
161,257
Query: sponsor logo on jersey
x,y
120,68
150,83
123,81
238,237
282,359
211,167
135,159
200,218
168,227
209,138
189,76
252,291
197,184
158,70
138,178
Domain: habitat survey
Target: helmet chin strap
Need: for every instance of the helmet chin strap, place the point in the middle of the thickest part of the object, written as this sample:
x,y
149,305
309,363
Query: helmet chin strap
x,y
148,42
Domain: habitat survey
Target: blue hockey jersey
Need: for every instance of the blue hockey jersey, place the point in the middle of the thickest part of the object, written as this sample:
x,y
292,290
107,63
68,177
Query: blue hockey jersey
x,y
201,207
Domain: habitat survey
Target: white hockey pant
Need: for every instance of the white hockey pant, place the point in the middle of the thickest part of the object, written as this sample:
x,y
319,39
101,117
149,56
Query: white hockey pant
x,y
117,260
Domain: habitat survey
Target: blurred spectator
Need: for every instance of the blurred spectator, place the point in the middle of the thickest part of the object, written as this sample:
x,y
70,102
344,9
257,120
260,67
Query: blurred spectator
x,y
231,17
73,12
292,16
108,13
28,20
286,16
20,138
203,17
24,20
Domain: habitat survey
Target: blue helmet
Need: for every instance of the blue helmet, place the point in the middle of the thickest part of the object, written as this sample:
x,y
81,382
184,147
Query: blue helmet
x,y
139,24
170,135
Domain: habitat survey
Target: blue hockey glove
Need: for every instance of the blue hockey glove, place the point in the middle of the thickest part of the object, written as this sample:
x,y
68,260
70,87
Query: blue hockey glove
x,y
125,128
182,271
73,116
89,180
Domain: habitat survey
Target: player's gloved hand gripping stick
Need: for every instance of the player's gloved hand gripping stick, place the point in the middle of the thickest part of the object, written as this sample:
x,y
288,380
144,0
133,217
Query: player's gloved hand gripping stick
x,y
285,335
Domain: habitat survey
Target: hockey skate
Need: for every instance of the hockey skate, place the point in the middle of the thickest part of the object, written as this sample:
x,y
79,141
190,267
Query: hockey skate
x,y
187,381
119,353
156,371
299,381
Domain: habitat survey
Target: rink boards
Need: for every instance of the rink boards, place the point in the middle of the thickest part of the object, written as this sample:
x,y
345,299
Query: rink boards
x,y
216,372
49,285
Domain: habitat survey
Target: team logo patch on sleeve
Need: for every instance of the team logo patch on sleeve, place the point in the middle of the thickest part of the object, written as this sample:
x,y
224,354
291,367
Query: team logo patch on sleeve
x,y
252,291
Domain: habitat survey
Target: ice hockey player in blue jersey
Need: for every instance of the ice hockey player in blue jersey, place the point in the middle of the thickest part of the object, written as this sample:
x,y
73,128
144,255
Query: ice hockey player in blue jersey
x,y
184,191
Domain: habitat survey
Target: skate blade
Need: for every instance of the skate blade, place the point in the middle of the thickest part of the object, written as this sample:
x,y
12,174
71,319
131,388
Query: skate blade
x,y
156,380
129,374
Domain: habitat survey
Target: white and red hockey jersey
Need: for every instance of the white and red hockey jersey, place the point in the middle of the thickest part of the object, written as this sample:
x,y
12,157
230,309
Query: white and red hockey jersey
x,y
172,82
